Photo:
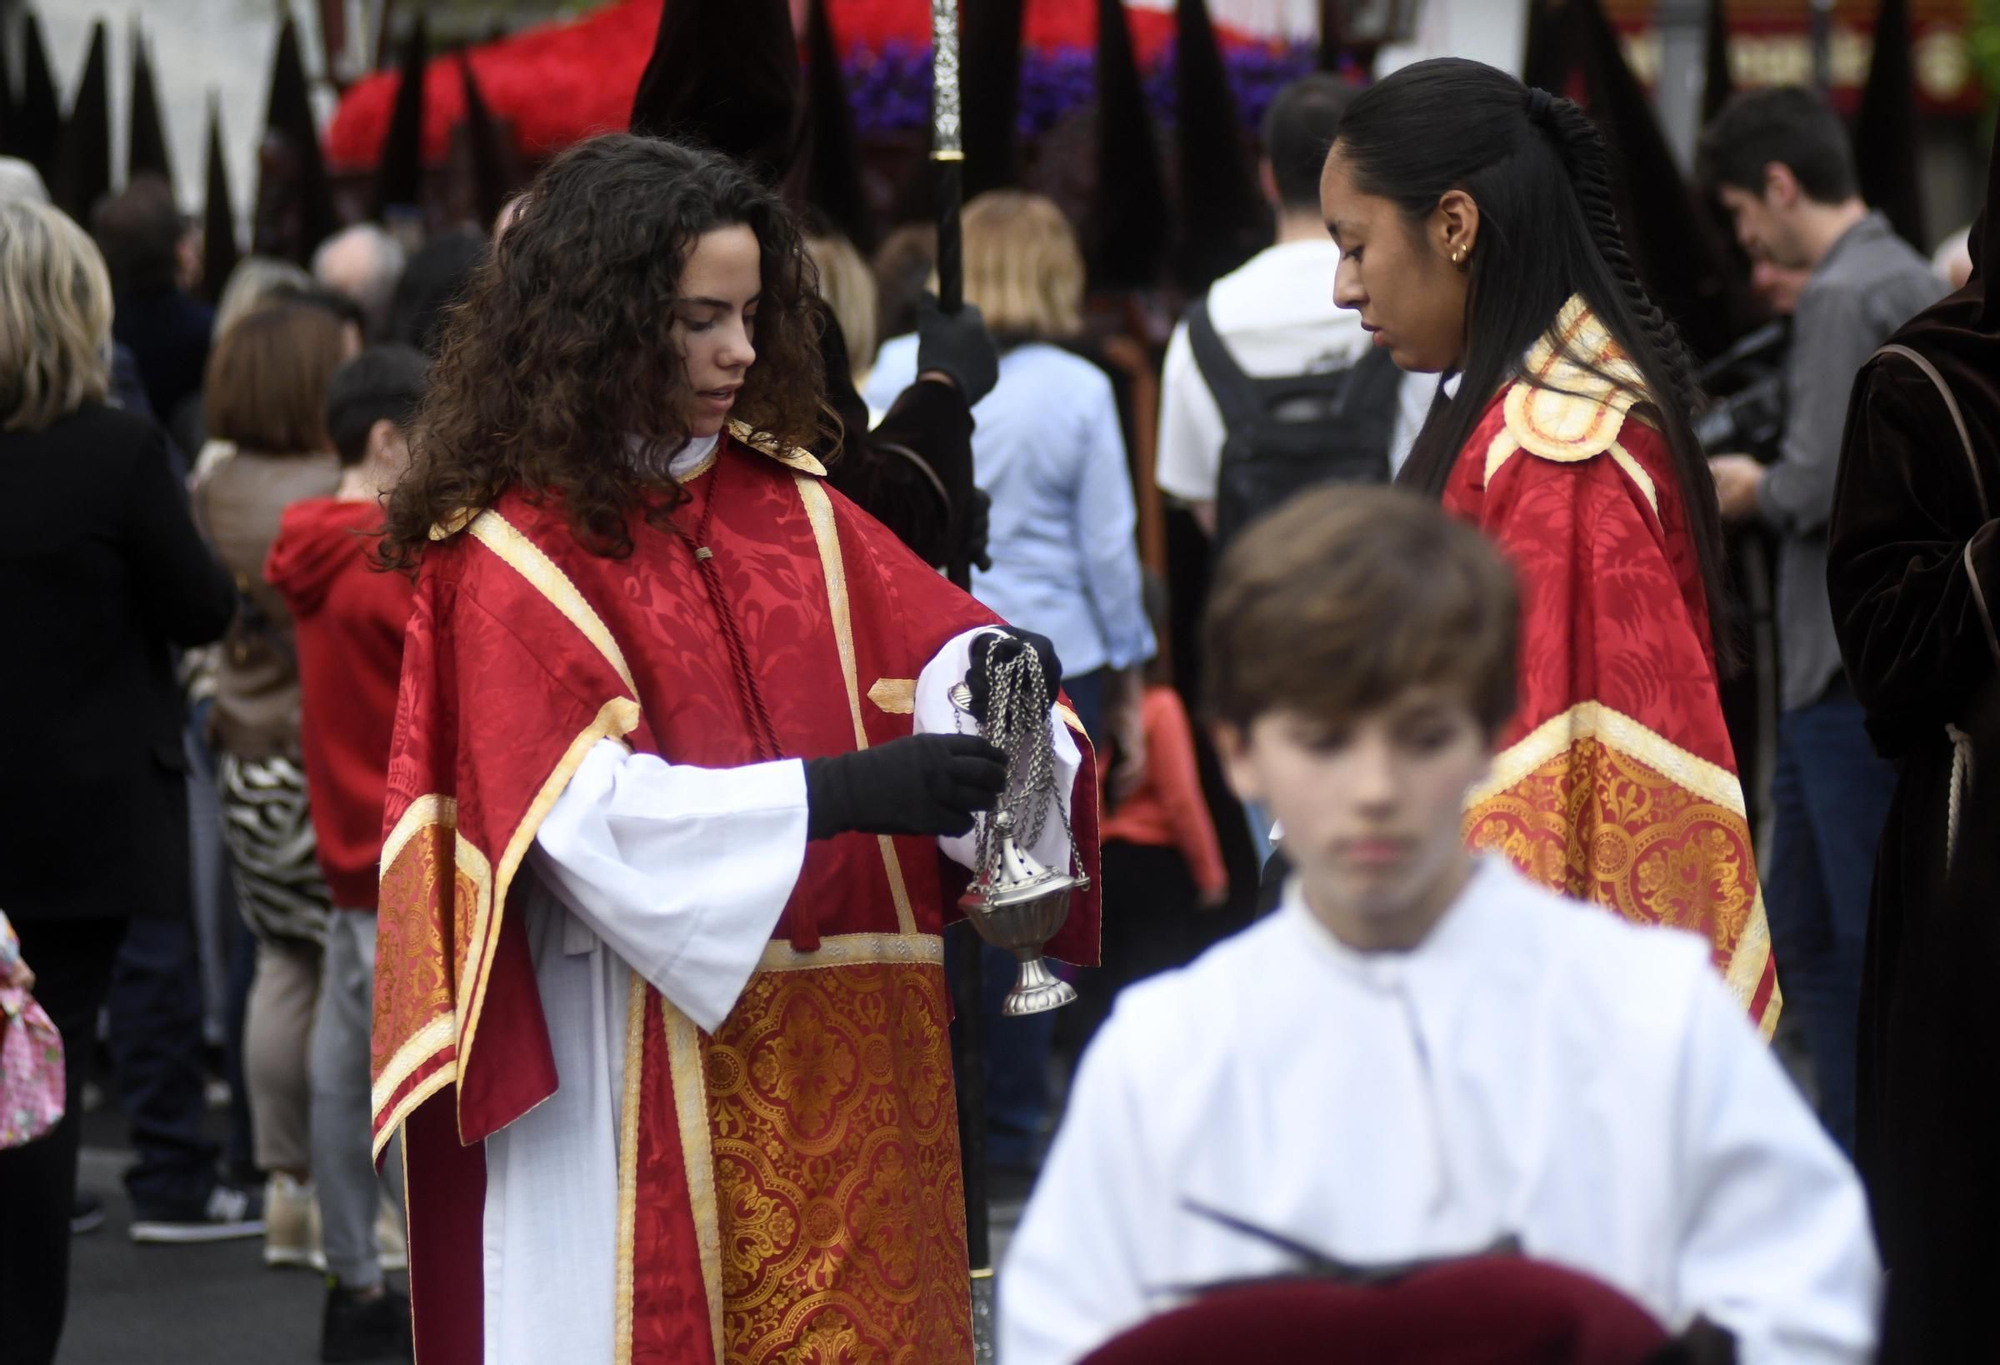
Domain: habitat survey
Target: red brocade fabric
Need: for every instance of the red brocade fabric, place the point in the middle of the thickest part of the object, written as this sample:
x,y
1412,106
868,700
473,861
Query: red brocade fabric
x,y
1616,782
842,1215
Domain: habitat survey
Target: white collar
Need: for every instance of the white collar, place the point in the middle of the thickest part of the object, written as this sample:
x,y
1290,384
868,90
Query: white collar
x,y
694,456
1456,934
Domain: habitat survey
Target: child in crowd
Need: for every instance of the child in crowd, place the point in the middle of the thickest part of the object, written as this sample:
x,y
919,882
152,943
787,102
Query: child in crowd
x,y
349,621
1421,1054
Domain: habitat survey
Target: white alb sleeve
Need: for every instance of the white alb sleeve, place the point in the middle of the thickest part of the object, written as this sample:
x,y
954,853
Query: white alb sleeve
x,y
936,715
1777,1246
683,871
1073,1277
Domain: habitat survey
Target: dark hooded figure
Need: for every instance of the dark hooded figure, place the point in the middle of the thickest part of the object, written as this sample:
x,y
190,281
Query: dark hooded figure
x,y
1914,578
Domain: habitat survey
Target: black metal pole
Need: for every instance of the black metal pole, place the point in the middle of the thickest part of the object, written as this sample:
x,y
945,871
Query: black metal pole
x,y
950,252
962,965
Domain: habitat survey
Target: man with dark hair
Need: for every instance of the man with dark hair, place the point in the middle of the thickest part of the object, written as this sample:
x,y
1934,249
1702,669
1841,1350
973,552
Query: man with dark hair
x,y
1274,318
349,622
1779,162
142,234
1267,335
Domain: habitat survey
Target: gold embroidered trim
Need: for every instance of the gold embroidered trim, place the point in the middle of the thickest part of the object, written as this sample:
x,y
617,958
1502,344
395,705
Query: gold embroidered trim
x,y
1504,447
628,1162
819,512
1637,473
453,524
525,557
687,1067
417,1049
1563,410
1074,722
1593,720
894,696
425,810
615,719
1711,783
393,1121
765,444
1746,967
856,950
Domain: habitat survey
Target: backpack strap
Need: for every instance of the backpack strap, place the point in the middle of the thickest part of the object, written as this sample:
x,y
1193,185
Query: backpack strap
x,y
1957,418
1234,391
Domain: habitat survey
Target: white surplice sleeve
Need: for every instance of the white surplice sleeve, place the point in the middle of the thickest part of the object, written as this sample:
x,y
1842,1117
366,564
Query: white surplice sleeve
x,y
1073,1278
683,871
1777,1246
935,715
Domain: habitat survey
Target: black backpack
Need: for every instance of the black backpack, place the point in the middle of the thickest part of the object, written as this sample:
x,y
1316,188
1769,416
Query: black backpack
x,y
1291,432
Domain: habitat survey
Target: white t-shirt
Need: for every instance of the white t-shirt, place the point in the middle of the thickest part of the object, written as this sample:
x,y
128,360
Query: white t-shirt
x,y
1277,317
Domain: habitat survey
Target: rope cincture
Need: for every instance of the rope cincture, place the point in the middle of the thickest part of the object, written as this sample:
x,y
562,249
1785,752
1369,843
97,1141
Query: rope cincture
x,y
804,936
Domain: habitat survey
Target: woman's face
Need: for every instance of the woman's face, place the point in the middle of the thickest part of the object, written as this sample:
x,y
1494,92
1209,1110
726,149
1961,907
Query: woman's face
x,y
1399,278
715,322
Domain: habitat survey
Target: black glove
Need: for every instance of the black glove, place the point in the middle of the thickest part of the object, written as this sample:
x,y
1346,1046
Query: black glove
x,y
959,345
978,523
1002,648
923,784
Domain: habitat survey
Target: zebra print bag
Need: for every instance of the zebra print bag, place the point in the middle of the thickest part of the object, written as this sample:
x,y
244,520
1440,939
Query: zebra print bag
x,y
268,827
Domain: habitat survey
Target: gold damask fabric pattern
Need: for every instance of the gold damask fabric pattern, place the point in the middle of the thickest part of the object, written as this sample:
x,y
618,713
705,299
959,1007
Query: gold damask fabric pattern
x,y
838,1191
413,1002
1603,825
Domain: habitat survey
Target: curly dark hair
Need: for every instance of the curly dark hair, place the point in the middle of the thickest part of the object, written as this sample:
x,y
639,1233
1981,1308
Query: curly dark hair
x,y
561,354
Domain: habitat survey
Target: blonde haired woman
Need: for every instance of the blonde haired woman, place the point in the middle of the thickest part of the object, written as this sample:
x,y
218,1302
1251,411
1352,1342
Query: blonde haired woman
x,y
101,576
1048,450
848,287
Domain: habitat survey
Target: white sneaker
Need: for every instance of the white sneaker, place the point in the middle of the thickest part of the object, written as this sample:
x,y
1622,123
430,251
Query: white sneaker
x,y
289,1216
389,1240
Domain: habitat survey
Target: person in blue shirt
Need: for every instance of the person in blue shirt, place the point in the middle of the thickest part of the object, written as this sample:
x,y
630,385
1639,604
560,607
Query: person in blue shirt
x,y
1046,448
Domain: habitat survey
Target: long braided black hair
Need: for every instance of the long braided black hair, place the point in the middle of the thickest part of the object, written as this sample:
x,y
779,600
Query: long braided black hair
x,y
1548,230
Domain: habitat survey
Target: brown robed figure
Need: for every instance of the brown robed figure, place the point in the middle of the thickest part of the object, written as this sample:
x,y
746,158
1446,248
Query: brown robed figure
x,y
1913,574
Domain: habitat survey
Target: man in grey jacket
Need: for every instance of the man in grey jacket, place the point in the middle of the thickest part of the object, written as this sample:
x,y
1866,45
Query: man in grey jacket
x,y
1779,161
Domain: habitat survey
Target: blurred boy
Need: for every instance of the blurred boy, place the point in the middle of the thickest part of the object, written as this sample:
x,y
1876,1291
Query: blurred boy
x,y
350,621
1421,1054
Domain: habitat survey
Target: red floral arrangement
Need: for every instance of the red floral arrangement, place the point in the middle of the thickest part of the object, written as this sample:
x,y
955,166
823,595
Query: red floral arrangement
x,y
561,82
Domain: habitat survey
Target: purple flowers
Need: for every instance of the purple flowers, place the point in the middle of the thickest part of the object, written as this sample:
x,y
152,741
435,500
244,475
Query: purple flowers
x,y
890,86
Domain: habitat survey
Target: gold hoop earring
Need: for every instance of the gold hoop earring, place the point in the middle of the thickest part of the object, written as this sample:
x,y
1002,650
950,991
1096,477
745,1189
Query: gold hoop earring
x,y
1459,254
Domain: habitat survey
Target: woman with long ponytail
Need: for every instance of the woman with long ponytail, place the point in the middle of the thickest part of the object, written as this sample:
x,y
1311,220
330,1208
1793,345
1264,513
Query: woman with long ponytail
x,y
1479,241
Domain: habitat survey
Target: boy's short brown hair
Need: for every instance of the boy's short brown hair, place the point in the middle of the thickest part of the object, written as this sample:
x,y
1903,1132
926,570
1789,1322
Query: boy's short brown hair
x,y
1346,597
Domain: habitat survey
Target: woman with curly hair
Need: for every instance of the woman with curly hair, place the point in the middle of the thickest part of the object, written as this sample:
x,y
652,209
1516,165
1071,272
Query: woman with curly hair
x,y
1478,240
660,1002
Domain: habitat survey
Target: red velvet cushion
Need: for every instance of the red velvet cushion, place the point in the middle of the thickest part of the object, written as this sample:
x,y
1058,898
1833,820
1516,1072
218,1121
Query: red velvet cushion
x,y
1487,1311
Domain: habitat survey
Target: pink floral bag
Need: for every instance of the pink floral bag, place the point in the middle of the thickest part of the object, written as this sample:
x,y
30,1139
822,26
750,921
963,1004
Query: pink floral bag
x,y
31,1056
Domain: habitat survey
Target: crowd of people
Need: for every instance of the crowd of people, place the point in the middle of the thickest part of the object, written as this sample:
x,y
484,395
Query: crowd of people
x,y
513,703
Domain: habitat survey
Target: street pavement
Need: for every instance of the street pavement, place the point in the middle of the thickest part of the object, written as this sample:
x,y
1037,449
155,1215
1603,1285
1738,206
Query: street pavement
x,y
214,1304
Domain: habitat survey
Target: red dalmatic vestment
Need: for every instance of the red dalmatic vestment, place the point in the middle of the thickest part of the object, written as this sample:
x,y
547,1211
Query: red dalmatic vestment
x,y
1616,782
790,1183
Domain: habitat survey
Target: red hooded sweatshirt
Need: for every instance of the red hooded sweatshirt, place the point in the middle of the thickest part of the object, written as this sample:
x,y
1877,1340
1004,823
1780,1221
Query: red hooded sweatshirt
x,y
350,621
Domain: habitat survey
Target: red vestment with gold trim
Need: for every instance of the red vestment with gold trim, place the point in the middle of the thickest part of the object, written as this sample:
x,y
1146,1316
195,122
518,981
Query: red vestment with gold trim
x,y
1616,782
790,1184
